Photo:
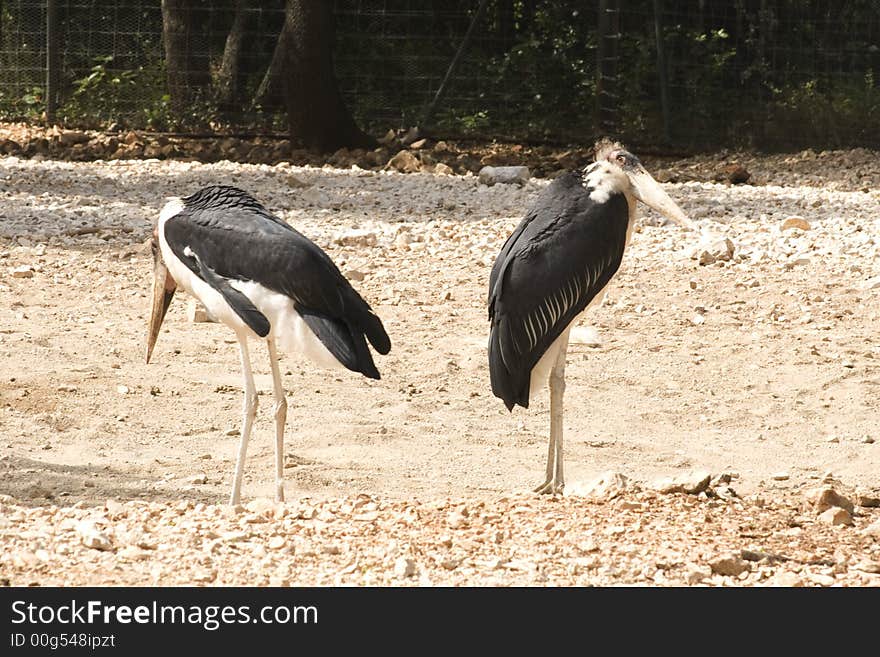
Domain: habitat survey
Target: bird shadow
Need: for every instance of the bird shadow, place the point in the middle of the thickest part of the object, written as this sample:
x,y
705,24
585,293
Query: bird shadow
x,y
33,483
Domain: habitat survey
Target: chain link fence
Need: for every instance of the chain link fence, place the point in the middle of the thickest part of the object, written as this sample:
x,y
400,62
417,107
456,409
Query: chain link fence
x,y
689,74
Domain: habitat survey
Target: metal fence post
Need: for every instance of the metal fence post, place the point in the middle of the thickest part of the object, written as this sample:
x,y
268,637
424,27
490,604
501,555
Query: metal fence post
x,y
661,70
51,60
606,87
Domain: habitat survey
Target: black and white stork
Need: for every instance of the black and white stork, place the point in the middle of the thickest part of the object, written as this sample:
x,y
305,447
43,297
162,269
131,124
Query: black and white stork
x,y
262,278
555,265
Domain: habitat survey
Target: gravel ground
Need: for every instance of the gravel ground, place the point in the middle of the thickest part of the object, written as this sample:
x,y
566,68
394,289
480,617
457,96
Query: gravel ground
x,y
740,363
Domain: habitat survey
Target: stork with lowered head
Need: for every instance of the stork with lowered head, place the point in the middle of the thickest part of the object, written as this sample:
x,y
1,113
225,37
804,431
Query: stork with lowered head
x,y
263,279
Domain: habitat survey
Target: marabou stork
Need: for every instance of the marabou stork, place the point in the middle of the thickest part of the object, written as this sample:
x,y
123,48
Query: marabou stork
x,y
263,279
556,264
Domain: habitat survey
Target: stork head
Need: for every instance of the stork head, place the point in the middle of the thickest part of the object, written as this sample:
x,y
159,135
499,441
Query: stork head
x,y
163,290
641,184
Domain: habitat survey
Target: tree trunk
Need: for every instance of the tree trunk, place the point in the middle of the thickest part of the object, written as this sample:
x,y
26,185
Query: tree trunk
x,y
185,76
317,115
227,78
268,93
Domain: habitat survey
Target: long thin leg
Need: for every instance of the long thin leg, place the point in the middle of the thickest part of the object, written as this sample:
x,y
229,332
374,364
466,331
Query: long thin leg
x,y
555,481
250,411
280,419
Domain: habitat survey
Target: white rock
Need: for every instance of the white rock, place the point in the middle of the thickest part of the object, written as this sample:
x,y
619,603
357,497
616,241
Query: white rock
x,y
585,335
92,537
196,312
603,489
691,483
494,175
357,238
714,250
404,567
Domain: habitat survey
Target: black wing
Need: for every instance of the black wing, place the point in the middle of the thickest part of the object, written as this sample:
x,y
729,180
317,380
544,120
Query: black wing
x,y
562,254
224,234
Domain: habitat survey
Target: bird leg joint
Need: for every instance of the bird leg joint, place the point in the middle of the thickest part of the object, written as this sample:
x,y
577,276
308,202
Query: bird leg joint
x,y
281,409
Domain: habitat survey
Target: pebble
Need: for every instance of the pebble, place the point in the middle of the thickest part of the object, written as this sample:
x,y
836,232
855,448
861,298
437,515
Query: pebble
x,y
92,537
24,271
826,497
729,566
691,483
404,162
404,567
510,175
720,250
798,223
836,516
603,489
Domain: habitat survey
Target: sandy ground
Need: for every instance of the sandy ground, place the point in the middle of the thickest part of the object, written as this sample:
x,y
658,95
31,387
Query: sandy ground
x,y
763,367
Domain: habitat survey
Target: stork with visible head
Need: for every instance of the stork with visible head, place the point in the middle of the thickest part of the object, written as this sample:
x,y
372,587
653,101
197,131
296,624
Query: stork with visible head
x,y
556,264
263,279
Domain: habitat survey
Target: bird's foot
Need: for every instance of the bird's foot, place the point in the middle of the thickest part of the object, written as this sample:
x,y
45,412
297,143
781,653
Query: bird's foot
x,y
279,491
550,487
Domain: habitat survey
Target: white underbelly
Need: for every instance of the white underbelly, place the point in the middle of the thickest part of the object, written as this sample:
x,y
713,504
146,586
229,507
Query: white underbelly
x,y
287,326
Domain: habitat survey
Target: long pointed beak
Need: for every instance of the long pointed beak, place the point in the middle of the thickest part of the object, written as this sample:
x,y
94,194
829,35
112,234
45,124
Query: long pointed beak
x,y
163,290
649,192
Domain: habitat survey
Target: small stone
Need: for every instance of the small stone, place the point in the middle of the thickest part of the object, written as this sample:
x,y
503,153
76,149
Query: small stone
x,y
296,183
442,169
786,579
873,529
92,537
357,238
233,432
71,137
690,483
493,175
123,390
456,520
868,499
780,476
197,313
729,566
418,144
696,574
198,479
261,506
354,275
404,162
450,564
404,567
796,222
276,542
719,250
24,271
585,335
736,174
826,497
603,489
836,516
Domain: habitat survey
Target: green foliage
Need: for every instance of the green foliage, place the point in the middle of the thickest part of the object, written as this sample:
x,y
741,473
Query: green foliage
x,y
103,96
835,114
